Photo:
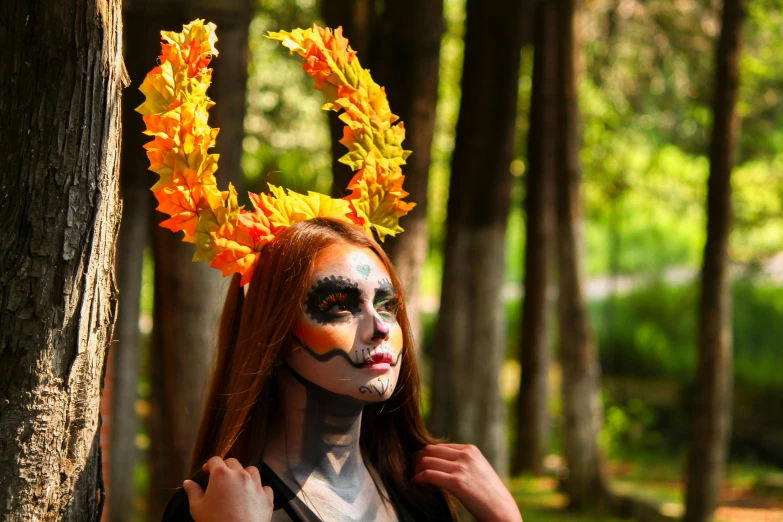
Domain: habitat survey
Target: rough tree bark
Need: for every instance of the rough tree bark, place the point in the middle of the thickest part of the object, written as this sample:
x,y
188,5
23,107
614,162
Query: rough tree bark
x,y
470,346
711,418
62,73
188,296
578,357
533,422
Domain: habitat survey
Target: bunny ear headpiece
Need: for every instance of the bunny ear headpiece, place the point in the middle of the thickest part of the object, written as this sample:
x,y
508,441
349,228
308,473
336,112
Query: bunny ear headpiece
x,y
227,235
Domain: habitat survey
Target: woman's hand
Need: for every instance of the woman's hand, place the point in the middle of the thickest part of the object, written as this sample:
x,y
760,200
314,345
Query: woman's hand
x,y
463,471
234,494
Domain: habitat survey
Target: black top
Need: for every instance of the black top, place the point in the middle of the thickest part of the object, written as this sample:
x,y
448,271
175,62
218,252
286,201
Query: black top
x,y
288,507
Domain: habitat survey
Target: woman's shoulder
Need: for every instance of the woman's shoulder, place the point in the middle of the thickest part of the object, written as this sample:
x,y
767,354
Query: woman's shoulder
x,y
286,508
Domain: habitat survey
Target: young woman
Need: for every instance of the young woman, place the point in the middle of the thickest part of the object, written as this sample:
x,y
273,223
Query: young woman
x,y
316,385
313,410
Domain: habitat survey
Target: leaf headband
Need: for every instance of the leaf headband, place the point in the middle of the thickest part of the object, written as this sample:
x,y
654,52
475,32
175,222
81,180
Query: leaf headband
x,y
227,235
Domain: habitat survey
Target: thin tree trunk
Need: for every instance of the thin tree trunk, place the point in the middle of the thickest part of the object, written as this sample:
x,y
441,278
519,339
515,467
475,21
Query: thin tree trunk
x,y
62,73
133,239
470,343
135,180
188,296
711,422
357,18
533,422
407,64
578,357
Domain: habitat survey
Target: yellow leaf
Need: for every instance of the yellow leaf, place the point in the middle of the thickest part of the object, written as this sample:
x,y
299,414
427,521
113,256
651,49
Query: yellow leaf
x,y
373,140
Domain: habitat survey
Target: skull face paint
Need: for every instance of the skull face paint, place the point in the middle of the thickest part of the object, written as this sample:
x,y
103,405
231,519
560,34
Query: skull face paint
x,y
347,339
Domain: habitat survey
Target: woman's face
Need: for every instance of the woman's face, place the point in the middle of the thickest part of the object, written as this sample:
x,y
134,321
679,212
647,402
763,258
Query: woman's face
x,y
347,339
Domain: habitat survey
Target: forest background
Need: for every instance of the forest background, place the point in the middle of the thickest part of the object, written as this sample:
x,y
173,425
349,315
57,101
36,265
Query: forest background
x,y
645,84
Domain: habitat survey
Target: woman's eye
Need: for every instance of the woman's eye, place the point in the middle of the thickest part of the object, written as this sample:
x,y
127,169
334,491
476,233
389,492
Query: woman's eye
x,y
335,304
389,305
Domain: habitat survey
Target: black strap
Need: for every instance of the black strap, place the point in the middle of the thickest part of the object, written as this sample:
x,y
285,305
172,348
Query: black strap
x,y
285,498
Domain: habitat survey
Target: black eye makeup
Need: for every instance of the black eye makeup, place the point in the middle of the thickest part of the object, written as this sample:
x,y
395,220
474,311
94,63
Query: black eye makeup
x,y
332,299
387,300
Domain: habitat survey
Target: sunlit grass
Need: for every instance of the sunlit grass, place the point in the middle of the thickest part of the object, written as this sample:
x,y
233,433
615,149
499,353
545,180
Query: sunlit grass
x,y
653,478
539,501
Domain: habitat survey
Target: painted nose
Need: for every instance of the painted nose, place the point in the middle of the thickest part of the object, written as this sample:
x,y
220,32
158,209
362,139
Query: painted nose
x,y
376,330
380,331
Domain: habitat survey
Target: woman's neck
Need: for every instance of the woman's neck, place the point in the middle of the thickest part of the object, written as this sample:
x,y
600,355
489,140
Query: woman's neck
x,y
315,435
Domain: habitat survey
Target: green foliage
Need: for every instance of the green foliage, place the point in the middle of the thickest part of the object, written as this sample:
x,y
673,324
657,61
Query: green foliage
x,y
287,138
653,62
146,303
653,332
758,331
644,204
628,428
446,113
758,205
645,108
761,83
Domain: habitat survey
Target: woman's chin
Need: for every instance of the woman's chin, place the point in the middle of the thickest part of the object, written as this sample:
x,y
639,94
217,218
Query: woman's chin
x,y
377,389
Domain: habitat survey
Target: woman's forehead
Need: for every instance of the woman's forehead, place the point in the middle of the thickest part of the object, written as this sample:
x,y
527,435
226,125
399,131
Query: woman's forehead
x,y
357,263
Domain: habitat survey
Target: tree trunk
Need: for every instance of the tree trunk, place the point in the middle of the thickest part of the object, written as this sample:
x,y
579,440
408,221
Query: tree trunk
x,y
358,19
470,343
62,73
135,180
133,239
407,61
711,422
188,296
578,357
533,422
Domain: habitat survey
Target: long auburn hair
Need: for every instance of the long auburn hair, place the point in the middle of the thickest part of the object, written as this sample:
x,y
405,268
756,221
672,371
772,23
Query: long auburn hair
x,y
253,336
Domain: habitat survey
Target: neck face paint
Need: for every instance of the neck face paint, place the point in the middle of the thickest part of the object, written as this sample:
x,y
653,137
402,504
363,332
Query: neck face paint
x,y
347,339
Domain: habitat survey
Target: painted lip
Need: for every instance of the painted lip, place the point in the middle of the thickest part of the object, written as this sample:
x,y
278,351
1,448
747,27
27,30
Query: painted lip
x,y
379,362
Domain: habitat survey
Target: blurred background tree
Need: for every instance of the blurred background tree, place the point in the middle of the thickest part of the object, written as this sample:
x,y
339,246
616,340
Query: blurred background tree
x,y
711,424
470,334
533,420
644,81
582,415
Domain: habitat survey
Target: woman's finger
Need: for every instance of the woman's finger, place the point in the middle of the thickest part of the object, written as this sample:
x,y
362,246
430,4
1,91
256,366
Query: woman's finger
x,y
269,493
212,464
462,448
234,464
254,474
437,464
441,479
194,492
441,451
